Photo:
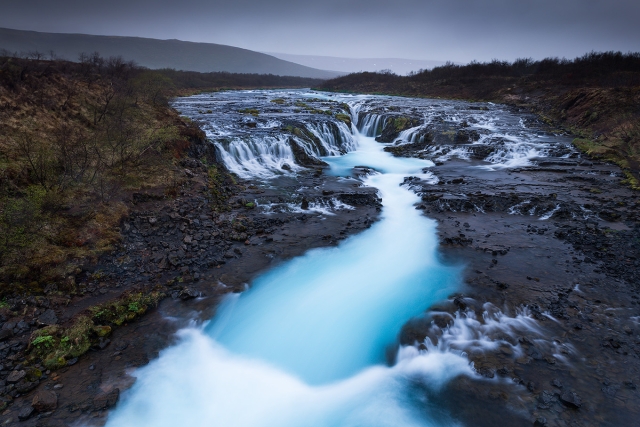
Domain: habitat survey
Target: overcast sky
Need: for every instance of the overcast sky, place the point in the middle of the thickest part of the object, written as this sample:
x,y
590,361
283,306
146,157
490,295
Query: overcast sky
x,y
456,30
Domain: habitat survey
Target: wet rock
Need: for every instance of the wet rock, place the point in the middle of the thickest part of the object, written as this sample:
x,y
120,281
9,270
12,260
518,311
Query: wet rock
x,y
48,318
25,413
609,390
15,376
302,157
305,204
9,325
45,401
106,400
101,344
5,333
359,199
546,399
188,293
571,399
25,386
465,136
459,302
540,422
394,125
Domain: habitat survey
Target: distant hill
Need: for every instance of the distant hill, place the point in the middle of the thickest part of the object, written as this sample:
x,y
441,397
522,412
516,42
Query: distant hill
x,y
399,66
155,54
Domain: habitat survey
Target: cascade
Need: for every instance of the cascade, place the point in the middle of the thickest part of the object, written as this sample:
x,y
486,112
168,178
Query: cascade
x,y
307,343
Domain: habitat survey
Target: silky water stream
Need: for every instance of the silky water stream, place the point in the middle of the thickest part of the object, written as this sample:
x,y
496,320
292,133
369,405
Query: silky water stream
x,y
309,343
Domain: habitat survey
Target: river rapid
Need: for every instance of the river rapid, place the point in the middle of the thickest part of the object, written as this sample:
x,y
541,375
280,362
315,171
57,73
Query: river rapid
x,y
314,341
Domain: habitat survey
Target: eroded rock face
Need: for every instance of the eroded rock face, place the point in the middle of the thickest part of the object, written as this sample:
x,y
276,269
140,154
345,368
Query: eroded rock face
x,y
393,125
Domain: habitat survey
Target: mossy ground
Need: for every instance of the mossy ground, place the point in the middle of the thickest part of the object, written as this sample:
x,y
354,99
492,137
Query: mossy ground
x,y
55,345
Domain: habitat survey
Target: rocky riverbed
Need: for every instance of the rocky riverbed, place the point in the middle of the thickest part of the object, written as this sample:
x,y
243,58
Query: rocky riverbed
x,y
549,242
559,242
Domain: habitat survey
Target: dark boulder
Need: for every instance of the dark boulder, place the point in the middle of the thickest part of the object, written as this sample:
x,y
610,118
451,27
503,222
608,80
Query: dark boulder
x,y
45,401
48,318
25,413
571,399
394,125
188,293
106,400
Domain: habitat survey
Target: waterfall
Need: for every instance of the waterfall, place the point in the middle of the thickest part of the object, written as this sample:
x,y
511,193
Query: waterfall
x,y
264,154
306,345
257,157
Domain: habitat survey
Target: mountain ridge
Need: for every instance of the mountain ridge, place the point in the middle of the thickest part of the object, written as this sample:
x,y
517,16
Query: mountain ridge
x,y
342,65
157,53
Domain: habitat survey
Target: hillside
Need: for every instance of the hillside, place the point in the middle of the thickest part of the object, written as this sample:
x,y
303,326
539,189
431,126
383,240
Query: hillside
x,y
349,65
155,54
596,97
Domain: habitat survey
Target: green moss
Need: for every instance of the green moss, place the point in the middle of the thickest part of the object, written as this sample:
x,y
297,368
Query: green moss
x,y
79,338
278,101
102,331
43,342
400,123
344,118
610,154
125,309
251,111
54,345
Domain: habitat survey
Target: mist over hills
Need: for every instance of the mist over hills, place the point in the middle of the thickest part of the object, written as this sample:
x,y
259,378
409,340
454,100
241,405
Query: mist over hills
x,y
155,54
400,66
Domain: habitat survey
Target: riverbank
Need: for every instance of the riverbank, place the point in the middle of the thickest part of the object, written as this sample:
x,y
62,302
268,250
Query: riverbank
x,y
194,256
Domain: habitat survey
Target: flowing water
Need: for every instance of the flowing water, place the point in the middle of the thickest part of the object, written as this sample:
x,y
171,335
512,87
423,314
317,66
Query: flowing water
x,y
309,343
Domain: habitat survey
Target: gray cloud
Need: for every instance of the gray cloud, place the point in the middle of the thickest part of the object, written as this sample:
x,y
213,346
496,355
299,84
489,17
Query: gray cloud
x,y
458,30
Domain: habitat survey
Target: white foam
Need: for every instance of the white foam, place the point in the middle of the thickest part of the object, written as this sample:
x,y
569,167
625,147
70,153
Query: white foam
x,y
323,207
549,214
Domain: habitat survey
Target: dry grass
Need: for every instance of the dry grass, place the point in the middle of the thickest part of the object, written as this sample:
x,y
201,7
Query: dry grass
x,y
74,146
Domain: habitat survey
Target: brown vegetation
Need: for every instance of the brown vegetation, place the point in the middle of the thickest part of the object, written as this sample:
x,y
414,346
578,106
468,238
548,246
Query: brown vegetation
x,y
596,96
187,82
76,140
